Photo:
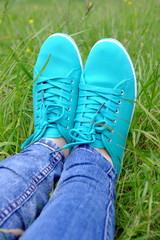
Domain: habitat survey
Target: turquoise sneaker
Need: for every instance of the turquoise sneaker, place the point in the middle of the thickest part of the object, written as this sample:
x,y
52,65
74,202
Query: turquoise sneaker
x,y
107,92
55,92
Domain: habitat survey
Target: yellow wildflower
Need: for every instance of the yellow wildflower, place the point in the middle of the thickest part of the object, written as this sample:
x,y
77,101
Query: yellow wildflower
x,y
130,3
28,50
90,4
35,7
31,21
125,0
4,37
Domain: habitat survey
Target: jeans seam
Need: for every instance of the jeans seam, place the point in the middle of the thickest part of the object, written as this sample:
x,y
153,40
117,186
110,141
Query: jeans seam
x,y
108,210
16,204
109,170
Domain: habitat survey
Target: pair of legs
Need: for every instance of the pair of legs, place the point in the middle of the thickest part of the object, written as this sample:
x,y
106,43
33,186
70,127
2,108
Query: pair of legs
x,y
87,110
82,205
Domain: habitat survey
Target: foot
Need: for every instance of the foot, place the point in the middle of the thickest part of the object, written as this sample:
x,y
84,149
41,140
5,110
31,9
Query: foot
x,y
55,91
106,93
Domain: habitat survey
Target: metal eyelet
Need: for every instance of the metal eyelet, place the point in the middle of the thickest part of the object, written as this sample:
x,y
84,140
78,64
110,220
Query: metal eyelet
x,y
112,131
117,111
122,92
70,100
120,101
67,118
72,81
72,91
69,109
67,127
114,120
110,140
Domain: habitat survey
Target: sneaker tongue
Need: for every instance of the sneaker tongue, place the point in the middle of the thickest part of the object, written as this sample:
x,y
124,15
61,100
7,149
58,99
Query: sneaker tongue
x,y
52,132
51,72
99,81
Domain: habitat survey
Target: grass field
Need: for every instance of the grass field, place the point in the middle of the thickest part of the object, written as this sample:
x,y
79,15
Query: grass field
x,y
25,24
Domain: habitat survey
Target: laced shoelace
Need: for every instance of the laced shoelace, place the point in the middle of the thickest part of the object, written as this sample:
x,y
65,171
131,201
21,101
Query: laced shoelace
x,y
53,97
94,121
94,98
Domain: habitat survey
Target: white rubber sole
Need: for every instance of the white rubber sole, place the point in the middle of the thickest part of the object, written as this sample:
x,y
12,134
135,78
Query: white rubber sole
x,y
74,44
134,74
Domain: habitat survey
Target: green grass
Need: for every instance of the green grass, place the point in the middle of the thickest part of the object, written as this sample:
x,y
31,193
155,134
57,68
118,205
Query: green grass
x,y
137,27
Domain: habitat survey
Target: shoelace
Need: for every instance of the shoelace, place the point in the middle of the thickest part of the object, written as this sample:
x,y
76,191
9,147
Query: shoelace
x,y
95,121
51,99
94,97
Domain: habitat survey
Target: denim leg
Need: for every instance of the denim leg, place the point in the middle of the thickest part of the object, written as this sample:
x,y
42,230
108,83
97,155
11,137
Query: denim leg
x,y
82,206
26,179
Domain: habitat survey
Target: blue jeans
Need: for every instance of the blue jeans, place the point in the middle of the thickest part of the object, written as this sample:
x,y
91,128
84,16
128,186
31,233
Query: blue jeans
x,y
82,205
